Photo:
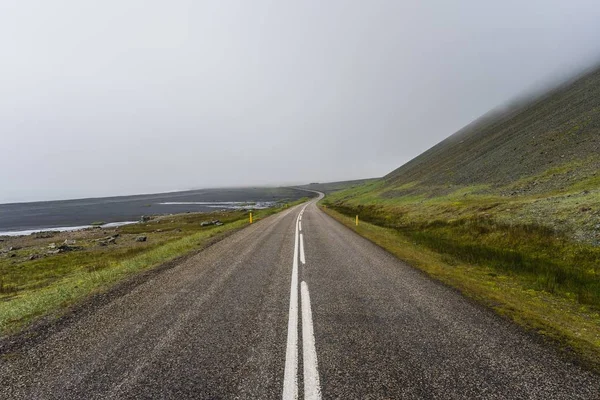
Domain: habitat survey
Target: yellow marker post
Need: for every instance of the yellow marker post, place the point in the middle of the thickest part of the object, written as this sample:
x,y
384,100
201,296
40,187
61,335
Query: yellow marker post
x,y
250,217
357,220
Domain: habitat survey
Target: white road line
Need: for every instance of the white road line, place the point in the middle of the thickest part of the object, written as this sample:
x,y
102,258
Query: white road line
x,y
311,375
300,226
302,257
312,387
290,377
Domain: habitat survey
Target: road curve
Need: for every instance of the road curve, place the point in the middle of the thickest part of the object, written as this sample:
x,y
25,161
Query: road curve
x,y
294,306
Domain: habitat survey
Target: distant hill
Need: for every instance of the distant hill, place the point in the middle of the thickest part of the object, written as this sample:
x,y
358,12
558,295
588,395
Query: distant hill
x,y
330,187
558,128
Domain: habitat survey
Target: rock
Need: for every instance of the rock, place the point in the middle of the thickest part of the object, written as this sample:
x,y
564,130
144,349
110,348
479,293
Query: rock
x,y
158,230
178,230
63,248
12,255
141,239
52,246
108,238
44,234
213,222
34,257
145,218
70,242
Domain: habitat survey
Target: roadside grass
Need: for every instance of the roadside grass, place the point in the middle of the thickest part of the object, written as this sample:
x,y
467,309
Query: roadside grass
x,y
555,300
30,289
546,260
531,249
24,275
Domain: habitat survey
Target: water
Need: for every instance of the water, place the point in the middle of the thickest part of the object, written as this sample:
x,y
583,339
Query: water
x,y
27,218
65,228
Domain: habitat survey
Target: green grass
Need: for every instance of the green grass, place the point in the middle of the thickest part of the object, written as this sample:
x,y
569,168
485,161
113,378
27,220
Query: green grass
x,y
30,289
542,258
533,255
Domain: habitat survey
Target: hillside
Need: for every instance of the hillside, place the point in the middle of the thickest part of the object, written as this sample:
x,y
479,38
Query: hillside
x,y
560,128
538,164
507,210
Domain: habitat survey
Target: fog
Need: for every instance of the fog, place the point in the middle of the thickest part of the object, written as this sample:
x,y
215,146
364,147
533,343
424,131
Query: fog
x,y
103,98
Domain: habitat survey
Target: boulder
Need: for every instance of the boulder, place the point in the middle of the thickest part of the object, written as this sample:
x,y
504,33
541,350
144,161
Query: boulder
x,y
63,248
70,242
44,234
110,239
141,238
213,222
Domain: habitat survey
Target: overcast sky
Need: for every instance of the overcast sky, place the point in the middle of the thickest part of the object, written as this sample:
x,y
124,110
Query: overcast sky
x,y
120,97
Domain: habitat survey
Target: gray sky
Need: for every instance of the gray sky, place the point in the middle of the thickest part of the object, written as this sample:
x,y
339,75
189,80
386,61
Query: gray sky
x,y
120,97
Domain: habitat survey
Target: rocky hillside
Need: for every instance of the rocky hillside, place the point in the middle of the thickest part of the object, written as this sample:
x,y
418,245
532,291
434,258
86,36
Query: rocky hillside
x,y
561,128
535,164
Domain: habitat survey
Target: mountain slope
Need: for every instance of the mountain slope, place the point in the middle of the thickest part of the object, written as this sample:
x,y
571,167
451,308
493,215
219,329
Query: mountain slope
x,y
561,127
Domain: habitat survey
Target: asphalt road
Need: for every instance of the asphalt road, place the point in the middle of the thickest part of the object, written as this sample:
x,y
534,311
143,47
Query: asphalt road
x,y
294,305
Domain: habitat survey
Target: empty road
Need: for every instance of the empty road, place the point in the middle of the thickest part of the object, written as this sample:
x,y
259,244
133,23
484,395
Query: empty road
x,y
294,306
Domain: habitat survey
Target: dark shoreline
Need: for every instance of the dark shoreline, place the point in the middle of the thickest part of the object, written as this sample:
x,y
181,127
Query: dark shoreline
x,y
80,212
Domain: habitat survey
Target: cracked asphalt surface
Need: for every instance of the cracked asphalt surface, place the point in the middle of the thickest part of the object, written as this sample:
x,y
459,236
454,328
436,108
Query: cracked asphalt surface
x,y
215,326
